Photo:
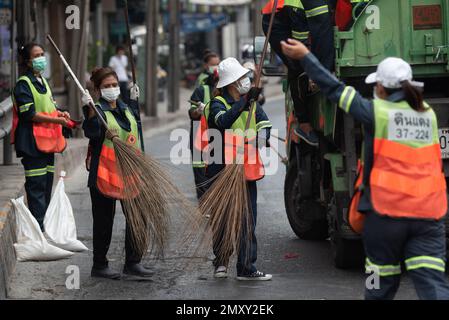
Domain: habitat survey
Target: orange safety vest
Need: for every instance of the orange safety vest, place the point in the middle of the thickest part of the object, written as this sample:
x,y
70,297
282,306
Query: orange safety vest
x,y
109,180
407,179
234,143
48,136
268,8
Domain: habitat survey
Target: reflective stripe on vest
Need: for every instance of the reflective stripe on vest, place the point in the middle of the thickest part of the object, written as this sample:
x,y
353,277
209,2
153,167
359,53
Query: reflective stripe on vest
x,y
48,136
317,11
407,177
109,181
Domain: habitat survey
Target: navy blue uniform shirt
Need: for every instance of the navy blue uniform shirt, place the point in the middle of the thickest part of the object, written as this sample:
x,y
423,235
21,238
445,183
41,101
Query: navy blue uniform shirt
x,y
95,132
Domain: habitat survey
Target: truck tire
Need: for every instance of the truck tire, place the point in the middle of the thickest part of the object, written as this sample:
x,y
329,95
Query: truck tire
x,y
307,217
347,249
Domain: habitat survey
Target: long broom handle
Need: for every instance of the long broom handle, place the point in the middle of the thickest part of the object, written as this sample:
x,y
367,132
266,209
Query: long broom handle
x,y
78,83
128,29
262,60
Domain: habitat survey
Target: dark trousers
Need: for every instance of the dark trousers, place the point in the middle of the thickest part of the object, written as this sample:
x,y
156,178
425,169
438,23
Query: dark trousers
x,y
419,244
39,174
124,92
103,211
199,174
298,85
247,255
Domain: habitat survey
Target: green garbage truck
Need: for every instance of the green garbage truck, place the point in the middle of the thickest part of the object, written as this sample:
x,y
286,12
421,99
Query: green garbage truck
x,y
319,181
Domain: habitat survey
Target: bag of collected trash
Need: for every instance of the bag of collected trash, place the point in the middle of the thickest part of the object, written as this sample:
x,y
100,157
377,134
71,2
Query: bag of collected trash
x,y
59,221
31,244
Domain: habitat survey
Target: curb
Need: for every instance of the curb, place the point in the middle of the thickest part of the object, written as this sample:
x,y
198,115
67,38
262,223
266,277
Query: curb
x,y
73,157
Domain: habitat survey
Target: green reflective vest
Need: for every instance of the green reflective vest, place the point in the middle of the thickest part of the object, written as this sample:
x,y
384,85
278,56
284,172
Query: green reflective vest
x,y
294,4
397,121
131,137
43,103
239,125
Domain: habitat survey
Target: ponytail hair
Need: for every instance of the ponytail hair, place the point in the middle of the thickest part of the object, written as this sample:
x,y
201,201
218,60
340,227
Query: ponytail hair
x,y
413,96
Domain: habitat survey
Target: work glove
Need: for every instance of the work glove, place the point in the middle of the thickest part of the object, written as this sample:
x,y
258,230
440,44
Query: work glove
x,y
87,99
135,92
201,107
254,94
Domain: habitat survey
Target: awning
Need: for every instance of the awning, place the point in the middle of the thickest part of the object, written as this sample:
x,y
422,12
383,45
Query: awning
x,y
220,2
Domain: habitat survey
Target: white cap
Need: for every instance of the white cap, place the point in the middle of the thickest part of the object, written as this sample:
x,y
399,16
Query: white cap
x,y
391,72
229,71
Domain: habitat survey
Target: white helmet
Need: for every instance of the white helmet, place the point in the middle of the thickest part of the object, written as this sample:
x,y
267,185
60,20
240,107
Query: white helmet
x,y
229,71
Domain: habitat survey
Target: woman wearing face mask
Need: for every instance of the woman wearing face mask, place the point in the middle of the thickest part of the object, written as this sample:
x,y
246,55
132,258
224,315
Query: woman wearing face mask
x,y
211,61
229,110
37,131
202,95
404,189
103,169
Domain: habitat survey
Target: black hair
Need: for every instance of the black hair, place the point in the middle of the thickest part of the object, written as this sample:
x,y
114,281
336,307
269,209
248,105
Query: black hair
x,y
209,56
119,48
413,95
24,54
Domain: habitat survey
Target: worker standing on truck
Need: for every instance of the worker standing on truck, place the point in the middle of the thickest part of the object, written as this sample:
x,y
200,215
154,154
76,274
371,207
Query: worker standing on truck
x,y
202,96
37,129
308,21
404,189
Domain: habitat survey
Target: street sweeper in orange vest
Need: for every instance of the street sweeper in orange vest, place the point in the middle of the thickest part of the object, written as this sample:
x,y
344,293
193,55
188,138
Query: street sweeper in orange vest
x,y
105,182
403,190
228,113
37,128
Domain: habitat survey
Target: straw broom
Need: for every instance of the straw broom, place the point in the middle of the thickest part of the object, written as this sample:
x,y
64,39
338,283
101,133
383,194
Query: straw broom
x,y
147,190
227,201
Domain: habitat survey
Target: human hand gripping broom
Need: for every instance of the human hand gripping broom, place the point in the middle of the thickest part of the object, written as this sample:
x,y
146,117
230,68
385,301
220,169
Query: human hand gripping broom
x,y
227,201
147,191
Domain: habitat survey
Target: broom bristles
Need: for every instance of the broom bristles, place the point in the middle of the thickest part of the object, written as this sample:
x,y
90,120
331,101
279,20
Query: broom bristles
x,y
148,195
228,204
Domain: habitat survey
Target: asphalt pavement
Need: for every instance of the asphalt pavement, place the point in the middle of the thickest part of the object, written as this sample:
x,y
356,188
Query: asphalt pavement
x,y
301,269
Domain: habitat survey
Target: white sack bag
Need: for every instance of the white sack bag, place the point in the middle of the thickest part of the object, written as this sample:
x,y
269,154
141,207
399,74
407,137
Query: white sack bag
x,y
31,244
59,221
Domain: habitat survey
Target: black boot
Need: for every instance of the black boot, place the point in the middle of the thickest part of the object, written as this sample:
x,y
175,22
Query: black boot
x,y
137,270
105,272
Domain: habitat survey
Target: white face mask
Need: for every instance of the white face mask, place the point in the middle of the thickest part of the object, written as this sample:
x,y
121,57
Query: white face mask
x,y
110,94
244,85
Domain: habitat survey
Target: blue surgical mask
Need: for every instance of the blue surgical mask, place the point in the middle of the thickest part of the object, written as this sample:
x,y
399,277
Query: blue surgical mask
x,y
40,64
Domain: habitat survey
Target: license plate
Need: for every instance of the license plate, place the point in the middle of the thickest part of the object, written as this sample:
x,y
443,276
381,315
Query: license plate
x,y
444,142
427,17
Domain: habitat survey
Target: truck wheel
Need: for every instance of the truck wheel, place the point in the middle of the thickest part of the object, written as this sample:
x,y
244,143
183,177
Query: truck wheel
x,y
348,254
307,217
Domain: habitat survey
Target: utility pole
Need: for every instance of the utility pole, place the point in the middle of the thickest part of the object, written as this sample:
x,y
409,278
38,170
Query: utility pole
x,y
99,32
174,66
257,17
151,42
